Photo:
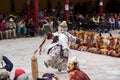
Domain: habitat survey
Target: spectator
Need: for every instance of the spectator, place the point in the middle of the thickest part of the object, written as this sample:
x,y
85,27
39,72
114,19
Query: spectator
x,y
104,26
4,75
3,29
70,26
40,14
20,74
21,28
119,21
96,21
55,23
11,27
116,21
31,28
112,22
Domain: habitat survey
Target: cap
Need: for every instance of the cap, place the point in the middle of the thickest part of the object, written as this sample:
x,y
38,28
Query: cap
x,y
19,72
11,20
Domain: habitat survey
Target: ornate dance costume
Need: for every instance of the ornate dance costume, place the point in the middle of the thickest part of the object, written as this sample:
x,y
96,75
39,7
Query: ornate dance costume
x,y
58,51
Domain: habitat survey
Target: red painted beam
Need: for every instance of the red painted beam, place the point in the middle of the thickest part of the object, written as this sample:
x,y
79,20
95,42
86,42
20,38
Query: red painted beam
x,y
100,7
66,11
36,13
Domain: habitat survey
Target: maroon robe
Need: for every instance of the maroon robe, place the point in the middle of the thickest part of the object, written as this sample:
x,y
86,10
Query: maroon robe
x,y
78,75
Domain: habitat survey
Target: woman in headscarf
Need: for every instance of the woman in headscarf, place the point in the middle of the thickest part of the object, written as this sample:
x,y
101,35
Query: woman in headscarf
x,y
20,74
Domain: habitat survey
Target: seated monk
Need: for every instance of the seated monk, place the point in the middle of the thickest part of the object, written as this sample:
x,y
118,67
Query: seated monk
x,y
83,42
72,32
73,44
99,41
117,44
80,39
90,39
91,43
101,45
111,43
116,52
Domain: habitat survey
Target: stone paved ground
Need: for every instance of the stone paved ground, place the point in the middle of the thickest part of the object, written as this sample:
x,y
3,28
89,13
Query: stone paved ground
x,y
98,67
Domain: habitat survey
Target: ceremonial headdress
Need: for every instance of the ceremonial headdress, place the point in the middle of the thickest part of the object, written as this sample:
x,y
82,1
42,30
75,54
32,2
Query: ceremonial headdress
x,y
73,64
63,27
64,24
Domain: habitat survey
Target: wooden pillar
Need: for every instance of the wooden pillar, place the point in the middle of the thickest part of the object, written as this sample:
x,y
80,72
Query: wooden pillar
x,y
66,11
36,14
100,7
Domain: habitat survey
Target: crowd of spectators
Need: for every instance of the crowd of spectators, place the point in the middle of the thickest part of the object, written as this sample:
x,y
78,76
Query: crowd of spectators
x,y
92,22
12,27
83,16
16,27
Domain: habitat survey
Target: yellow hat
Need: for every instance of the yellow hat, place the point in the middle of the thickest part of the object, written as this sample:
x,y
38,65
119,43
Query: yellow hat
x,y
63,24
